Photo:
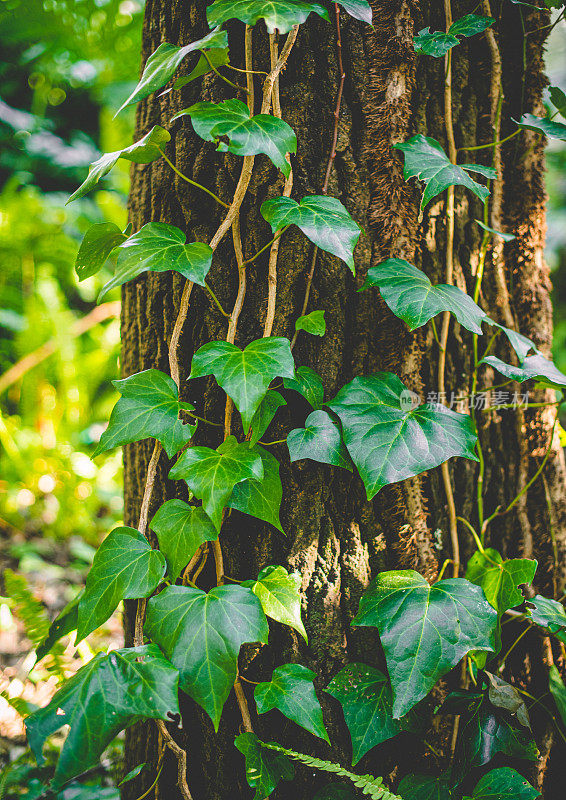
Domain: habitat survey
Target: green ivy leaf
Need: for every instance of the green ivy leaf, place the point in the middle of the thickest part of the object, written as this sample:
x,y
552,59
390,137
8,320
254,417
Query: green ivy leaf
x,y
124,568
558,691
424,787
181,529
278,15
507,237
97,244
264,768
359,9
500,579
279,593
470,25
504,784
313,323
141,152
552,130
535,367
426,160
158,247
218,57
260,498
486,732
435,44
245,374
323,220
291,690
389,439
558,99
161,64
64,623
262,418
212,474
308,383
425,630
149,408
367,701
320,440
201,634
105,696
548,614
247,135
503,695
411,296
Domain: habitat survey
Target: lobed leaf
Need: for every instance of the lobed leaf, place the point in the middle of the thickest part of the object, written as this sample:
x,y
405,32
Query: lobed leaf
x,y
291,691
313,323
260,498
307,383
264,768
552,130
149,407
320,440
504,784
548,614
97,244
437,44
202,633
279,594
181,529
278,15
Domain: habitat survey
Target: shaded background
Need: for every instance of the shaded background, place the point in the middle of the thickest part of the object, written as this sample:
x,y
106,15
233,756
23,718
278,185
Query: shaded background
x,y
65,66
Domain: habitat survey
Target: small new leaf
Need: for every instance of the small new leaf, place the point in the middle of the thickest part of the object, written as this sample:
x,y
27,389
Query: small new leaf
x,y
212,474
246,135
313,323
181,529
159,247
264,768
291,690
161,64
426,160
149,407
260,498
279,594
320,440
201,634
437,44
367,702
389,438
507,237
323,220
245,374
107,695
97,244
425,630
278,15
124,568
143,151
411,296
308,383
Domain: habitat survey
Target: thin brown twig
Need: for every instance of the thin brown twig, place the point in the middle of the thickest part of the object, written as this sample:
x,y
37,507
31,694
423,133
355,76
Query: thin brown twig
x,y
181,757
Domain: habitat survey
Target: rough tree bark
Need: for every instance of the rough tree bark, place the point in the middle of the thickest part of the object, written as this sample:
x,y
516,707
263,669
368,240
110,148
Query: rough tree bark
x,y
335,538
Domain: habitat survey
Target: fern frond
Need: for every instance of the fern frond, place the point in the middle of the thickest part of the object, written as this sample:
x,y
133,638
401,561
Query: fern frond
x,y
369,785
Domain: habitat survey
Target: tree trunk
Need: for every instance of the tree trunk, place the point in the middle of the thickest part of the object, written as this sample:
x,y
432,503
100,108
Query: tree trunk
x,y
334,537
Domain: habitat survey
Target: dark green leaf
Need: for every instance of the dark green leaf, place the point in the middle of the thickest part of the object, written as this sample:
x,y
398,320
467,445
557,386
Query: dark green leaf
x,y
158,247
558,691
426,160
291,690
425,630
507,237
245,374
313,323
470,25
261,498
278,15
181,529
424,787
307,383
323,220
367,701
280,595
161,64
124,568
411,296
558,99
504,784
65,623
320,440
264,768
262,418
359,9
97,244
202,633
107,695
218,57
389,439
435,44
246,135
149,407
535,367
552,130
548,614
212,474
141,152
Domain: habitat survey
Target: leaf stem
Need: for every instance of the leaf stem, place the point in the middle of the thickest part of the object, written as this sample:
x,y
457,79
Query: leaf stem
x,y
193,183
472,530
264,248
223,77
491,144
216,301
